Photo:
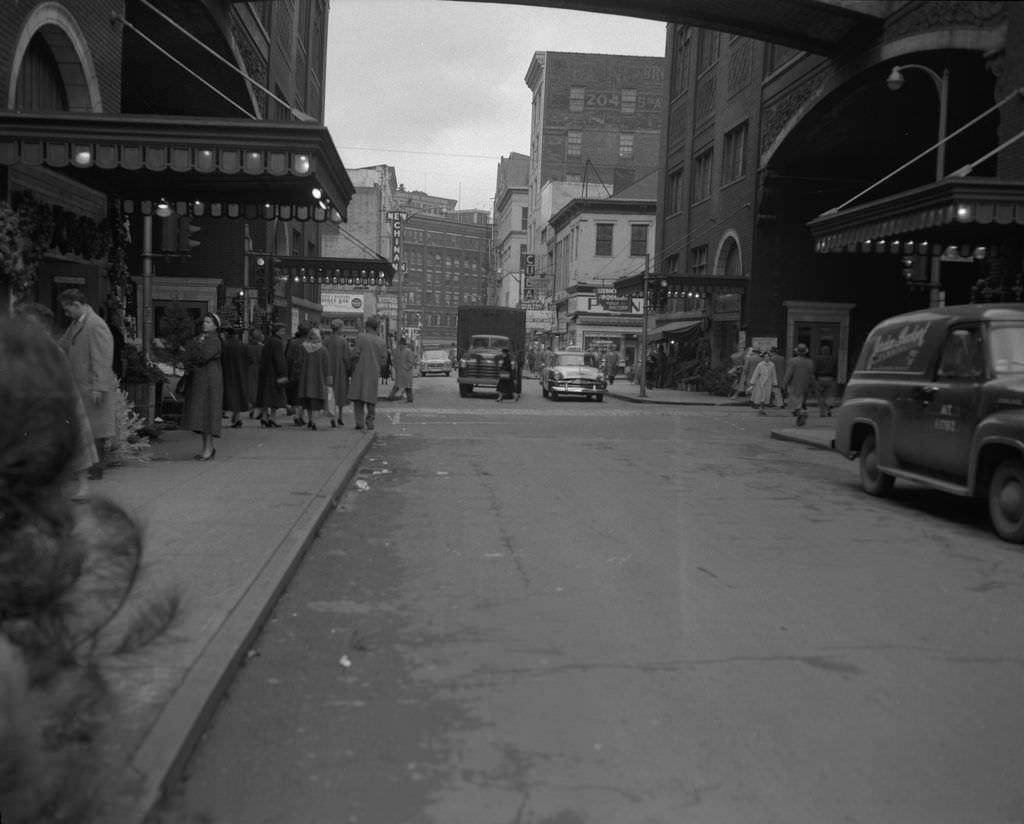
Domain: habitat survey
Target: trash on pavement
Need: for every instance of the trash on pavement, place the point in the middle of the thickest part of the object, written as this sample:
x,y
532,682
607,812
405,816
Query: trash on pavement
x,y
362,485
345,661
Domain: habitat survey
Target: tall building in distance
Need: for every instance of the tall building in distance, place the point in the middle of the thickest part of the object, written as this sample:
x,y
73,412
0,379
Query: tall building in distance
x,y
595,122
511,222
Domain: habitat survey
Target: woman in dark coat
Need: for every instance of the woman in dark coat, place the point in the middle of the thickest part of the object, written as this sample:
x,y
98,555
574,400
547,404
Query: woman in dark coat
x,y
293,357
506,377
235,363
205,396
340,360
314,376
255,347
273,375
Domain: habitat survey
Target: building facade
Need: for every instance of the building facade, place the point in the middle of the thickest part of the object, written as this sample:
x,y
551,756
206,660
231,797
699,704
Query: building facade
x,y
810,192
595,121
511,225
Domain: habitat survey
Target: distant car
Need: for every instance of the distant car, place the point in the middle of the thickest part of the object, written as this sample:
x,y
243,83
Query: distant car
x,y
435,360
572,373
937,397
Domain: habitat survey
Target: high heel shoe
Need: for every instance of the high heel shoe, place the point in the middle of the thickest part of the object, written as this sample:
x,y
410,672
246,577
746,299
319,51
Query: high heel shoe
x,y
272,424
299,421
236,425
209,457
264,424
311,425
334,423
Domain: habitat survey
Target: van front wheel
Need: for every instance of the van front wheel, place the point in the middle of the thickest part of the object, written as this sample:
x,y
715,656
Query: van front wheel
x,y
873,480
1006,500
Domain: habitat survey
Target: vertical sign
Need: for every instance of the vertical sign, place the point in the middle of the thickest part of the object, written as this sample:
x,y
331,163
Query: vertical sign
x,y
396,219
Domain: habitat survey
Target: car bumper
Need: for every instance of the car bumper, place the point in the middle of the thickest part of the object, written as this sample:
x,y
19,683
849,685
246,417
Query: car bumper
x,y
576,389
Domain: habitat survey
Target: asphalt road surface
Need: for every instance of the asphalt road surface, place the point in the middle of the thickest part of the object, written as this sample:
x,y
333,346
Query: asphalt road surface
x,y
583,613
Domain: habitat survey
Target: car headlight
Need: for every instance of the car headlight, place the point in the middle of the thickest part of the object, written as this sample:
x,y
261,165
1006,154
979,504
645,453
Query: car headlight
x,y
558,376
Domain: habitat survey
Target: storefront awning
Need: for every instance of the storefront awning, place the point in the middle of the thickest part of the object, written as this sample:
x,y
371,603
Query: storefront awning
x,y
677,330
947,211
251,169
680,285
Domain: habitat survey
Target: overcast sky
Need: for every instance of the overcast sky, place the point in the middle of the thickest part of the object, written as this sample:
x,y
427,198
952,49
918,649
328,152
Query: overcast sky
x,y
435,88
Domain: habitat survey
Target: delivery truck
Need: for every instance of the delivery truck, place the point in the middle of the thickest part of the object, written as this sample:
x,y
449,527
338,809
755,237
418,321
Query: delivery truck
x,y
483,331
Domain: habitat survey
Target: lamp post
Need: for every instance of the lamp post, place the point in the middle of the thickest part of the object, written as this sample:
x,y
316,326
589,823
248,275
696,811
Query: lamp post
x,y
642,354
895,82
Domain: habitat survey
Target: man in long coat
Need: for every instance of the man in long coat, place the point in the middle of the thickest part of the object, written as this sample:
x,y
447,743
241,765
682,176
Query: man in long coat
x,y
798,382
340,364
273,375
90,348
370,354
404,361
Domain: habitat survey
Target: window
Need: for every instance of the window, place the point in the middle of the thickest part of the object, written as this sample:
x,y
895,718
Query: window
x,y
574,144
576,94
674,195
628,101
672,263
699,260
626,146
603,247
524,217
708,44
702,176
681,56
638,240
734,151
963,355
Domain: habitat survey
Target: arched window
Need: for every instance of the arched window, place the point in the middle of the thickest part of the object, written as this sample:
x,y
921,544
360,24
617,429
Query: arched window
x,y
40,87
729,263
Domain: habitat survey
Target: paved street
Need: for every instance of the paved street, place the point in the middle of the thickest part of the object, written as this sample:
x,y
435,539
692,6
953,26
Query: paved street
x,y
578,612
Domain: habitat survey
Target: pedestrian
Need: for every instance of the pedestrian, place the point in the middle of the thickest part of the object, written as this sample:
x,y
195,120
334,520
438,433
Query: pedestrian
x,y
273,377
611,364
404,362
90,349
85,455
255,349
314,376
293,357
386,367
763,383
650,369
234,361
798,381
453,355
662,358
780,369
826,373
506,377
750,361
370,354
339,362
204,398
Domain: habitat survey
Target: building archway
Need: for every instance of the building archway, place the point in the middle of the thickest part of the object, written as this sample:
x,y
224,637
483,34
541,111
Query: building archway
x,y
52,65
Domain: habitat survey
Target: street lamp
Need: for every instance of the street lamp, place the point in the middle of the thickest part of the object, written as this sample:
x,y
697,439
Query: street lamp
x,y
642,356
895,82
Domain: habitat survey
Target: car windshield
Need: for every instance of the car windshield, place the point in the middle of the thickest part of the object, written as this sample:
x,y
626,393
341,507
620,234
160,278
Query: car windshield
x,y
575,359
488,342
1006,343
435,355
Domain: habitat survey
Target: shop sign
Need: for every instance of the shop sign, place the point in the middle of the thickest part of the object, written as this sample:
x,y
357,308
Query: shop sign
x,y
342,303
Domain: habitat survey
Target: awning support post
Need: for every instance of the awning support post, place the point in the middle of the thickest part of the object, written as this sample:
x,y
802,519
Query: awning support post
x,y
147,309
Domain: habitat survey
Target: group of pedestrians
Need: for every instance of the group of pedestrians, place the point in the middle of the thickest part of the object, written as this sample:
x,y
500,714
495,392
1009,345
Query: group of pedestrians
x,y
312,373
758,372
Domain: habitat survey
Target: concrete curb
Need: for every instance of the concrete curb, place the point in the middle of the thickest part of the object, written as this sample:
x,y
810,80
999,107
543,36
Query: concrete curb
x,y
636,399
795,436
162,757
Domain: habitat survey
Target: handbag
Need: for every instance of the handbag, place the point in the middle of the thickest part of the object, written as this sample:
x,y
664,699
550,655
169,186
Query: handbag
x,y
183,383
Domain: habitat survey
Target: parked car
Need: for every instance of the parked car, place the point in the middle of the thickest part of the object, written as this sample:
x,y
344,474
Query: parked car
x,y
435,360
937,397
572,373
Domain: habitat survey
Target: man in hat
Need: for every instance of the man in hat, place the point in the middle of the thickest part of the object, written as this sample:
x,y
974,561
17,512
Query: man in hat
x,y
798,382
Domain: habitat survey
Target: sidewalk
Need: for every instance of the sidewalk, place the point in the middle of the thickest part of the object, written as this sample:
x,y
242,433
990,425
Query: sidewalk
x,y
817,432
227,535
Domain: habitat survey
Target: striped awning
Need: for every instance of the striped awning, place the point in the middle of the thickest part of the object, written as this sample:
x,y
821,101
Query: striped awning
x,y
253,169
938,213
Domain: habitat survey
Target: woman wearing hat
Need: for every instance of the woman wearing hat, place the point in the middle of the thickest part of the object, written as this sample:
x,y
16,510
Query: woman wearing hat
x,y
798,381
204,400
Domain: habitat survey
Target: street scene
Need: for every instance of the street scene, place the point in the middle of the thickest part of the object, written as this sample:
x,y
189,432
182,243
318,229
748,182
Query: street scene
x,y
537,612
455,412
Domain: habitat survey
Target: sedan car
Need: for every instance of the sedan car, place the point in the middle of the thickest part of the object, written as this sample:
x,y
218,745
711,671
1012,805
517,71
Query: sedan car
x,y
572,373
435,360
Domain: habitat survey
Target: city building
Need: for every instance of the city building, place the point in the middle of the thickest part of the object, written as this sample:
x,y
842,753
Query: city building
x,y
511,225
171,153
595,242
825,172
596,122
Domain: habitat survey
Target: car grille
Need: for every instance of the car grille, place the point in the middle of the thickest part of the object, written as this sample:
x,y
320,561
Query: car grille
x,y
480,369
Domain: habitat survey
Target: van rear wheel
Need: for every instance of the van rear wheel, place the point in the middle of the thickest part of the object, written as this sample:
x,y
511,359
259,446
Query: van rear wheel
x,y
1006,500
872,479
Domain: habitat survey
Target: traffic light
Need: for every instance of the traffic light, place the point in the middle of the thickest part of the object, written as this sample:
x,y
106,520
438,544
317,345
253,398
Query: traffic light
x,y
259,267
240,307
187,232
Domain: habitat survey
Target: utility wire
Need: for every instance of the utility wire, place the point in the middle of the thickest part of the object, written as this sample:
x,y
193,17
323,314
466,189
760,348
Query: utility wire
x,y
177,62
300,115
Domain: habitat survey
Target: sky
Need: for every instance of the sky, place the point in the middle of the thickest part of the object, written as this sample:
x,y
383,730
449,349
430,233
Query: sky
x,y
435,88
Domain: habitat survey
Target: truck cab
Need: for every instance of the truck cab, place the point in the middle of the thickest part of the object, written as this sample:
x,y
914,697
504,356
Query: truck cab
x,y
483,332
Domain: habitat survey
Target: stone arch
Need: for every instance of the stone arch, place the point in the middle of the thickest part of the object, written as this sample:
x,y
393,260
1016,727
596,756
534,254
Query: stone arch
x,y
62,34
729,256
785,116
